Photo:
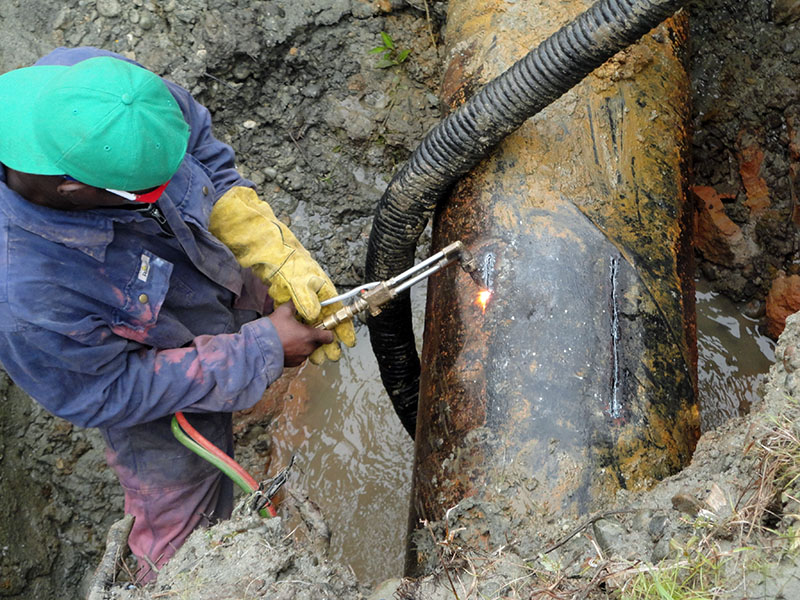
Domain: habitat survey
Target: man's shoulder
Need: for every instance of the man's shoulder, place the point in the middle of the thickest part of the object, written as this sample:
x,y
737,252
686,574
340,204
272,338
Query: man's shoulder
x,y
70,56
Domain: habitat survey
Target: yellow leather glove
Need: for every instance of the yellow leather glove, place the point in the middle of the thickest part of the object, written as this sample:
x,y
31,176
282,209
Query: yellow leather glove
x,y
260,242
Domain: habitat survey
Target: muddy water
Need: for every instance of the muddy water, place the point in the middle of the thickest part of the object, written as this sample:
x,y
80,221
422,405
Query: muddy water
x,y
733,358
354,458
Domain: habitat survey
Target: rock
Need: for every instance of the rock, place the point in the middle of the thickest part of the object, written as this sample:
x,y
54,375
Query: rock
x,y
656,527
785,11
687,504
751,159
109,8
790,357
386,590
660,550
755,309
610,535
717,237
716,500
350,115
783,300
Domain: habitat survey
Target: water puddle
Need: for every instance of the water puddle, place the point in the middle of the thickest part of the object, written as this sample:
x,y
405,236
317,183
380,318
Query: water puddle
x,y
733,358
354,458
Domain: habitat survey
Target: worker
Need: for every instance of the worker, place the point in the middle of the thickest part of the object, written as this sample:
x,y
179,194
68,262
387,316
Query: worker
x,y
137,267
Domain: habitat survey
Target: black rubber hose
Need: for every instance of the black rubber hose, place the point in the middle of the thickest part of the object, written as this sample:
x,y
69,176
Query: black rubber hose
x,y
463,139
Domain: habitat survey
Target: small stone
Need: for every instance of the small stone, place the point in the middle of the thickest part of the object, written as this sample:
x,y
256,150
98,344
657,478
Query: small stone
x,y
755,309
715,500
660,550
687,504
610,535
312,91
790,358
60,19
249,124
146,21
108,8
258,178
656,527
386,590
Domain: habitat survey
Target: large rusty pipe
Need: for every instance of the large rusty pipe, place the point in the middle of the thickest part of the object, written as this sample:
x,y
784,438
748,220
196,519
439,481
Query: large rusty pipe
x,y
580,378
464,138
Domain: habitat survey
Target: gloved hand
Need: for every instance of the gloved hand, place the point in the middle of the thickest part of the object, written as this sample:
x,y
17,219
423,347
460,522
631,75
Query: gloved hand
x,y
260,242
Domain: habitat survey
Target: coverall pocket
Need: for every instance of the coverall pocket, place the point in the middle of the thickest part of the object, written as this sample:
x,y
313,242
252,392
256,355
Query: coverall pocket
x,y
144,295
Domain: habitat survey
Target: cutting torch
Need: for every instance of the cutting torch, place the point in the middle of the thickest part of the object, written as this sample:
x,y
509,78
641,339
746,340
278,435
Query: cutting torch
x,y
372,296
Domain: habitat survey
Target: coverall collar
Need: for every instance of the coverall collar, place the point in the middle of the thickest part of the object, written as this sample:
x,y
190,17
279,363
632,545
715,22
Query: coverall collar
x,y
86,231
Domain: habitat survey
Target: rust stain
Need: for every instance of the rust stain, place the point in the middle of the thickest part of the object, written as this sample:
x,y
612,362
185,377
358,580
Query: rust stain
x,y
711,204
783,300
460,78
751,157
716,235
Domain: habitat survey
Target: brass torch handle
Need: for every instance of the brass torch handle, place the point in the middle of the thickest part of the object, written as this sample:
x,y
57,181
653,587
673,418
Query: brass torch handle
x,y
343,314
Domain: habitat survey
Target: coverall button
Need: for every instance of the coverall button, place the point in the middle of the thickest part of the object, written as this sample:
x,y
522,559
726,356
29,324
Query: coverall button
x,y
143,298
205,190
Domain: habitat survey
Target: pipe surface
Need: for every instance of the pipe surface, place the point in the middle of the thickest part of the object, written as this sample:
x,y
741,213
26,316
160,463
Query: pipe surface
x,y
580,377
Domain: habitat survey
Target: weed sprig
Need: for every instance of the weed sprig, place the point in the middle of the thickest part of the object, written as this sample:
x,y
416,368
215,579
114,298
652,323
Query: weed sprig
x,y
391,56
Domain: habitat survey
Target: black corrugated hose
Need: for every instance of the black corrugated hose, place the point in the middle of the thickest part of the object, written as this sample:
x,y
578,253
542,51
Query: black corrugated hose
x,y
464,138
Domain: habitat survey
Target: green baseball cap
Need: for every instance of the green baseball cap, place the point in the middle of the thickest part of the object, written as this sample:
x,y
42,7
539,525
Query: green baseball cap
x,y
103,121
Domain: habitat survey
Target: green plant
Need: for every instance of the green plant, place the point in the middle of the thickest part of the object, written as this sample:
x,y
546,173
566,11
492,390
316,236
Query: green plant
x,y
697,577
391,56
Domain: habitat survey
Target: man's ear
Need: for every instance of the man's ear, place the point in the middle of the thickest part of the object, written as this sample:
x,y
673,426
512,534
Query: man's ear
x,y
68,187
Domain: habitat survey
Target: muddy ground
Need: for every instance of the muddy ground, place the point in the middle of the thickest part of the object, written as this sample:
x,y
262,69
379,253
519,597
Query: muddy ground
x,y
293,87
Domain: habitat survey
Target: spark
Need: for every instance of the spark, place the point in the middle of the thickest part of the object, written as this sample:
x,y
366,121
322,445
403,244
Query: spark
x,y
483,299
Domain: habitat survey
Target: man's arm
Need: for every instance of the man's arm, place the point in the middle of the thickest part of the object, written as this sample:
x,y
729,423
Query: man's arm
x,y
120,383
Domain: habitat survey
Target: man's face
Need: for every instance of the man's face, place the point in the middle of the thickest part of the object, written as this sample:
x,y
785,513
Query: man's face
x,y
55,191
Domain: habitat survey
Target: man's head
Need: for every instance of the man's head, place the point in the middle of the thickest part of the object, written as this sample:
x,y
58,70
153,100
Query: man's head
x,y
103,122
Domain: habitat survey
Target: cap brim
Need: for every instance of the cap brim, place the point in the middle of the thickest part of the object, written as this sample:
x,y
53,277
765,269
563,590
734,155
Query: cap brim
x,y
19,148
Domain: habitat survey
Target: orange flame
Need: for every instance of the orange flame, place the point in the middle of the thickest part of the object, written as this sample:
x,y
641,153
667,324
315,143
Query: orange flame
x,y
483,299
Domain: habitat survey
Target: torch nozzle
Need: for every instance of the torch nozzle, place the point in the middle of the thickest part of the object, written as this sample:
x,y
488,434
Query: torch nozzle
x,y
470,266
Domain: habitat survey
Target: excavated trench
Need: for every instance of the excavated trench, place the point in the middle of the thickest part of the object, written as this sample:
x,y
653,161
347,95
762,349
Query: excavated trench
x,y
320,129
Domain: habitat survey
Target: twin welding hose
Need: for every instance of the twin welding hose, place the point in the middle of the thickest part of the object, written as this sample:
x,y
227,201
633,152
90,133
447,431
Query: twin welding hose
x,y
197,443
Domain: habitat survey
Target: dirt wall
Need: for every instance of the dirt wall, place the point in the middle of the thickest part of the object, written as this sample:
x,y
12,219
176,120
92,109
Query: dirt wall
x,y
745,65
